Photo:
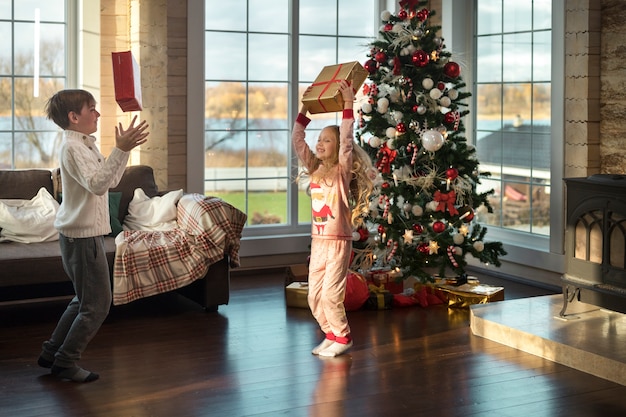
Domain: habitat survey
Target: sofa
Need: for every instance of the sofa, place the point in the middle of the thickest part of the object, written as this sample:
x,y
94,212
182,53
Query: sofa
x,y
32,271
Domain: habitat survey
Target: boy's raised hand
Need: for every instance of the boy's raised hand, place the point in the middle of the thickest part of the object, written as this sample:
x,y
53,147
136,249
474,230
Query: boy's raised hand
x,y
128,139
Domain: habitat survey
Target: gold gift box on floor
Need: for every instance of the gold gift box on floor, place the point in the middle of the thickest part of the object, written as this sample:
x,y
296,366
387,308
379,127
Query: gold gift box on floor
x,y
296,294
467,294
325,96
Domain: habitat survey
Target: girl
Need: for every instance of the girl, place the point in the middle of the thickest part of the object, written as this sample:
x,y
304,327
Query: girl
x,y
340,187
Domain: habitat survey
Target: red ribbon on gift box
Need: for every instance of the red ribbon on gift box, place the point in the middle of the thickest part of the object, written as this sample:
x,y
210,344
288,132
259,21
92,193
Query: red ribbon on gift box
x,y
328,83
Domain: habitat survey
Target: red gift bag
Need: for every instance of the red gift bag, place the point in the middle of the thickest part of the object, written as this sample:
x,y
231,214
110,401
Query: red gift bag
x,y
127,81
357,291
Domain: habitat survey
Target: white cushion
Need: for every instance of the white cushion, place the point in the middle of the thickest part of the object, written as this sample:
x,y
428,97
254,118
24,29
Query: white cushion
x,y
156,213
29,221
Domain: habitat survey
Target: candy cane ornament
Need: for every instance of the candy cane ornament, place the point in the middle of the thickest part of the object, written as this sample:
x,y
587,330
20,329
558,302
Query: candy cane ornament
x,y
450,251
394,247
413,147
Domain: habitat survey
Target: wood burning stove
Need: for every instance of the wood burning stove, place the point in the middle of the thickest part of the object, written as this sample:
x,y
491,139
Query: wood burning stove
x,y
595,240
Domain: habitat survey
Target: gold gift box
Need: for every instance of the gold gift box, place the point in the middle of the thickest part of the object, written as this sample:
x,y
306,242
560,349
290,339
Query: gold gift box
x,y
296,294
465,295
297,272
325,96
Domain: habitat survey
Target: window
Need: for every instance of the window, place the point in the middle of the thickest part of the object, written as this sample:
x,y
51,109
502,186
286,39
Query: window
x,y
32,67
513,120
253,59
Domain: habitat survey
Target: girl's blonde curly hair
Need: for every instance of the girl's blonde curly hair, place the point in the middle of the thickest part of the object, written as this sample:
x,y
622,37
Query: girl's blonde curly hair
x,y
361,183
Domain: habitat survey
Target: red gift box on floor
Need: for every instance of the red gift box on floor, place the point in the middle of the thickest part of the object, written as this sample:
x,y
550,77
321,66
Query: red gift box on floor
x,y
127,81
390,279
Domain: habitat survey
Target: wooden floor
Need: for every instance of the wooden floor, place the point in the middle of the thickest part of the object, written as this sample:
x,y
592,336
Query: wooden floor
x,y
166,357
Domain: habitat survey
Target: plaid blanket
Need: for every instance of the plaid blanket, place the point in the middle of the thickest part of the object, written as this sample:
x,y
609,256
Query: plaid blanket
x,y
153,262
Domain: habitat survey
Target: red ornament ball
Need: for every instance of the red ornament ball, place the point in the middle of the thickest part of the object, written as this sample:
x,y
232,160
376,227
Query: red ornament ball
x,y
363,234
384,185
450,117
380,56
402,14
439,227
417,228
381,229
452,173
371,66
388,27
452,69
420,58
441,86
422,14
400,128
423,248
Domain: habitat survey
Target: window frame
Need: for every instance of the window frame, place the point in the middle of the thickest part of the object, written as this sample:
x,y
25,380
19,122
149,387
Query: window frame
x,y
541,252
285,238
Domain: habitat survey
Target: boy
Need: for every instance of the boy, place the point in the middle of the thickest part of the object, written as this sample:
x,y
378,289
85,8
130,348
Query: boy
x,y
82,222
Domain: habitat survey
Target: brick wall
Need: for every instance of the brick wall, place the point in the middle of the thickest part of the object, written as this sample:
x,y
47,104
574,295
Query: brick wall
x,y
156,32
613,85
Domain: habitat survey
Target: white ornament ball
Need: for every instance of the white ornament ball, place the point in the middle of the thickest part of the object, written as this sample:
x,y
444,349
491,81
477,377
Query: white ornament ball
x,y
375,142
367,108
479,246
397,115
417,210
438,41
458,238
385,15
391,132
382,105
407,207
432,206
356,236
428,83
398,28
453,94
394,95
432,140
435,93
421,109
458,251
445,101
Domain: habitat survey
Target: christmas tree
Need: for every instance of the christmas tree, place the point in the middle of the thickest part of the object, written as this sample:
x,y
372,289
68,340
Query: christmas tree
x,y
422,217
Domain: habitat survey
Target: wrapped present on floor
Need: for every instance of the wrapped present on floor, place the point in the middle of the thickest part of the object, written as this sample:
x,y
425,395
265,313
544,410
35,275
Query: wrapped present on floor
x,y
424,295
379,298
389,279
127,81
296,294
325,96
297,289
462,296
357,291
297,272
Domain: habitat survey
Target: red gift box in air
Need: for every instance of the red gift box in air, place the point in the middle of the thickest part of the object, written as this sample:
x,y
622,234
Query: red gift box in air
x,y
127,81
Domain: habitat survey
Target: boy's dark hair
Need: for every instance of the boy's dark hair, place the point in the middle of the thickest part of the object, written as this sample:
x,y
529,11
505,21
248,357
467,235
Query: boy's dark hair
x,y
63,102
